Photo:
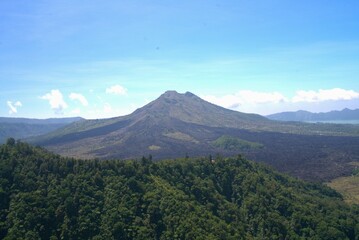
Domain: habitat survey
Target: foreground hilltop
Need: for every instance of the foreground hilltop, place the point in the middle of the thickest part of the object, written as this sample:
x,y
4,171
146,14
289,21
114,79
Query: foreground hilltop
x,y
176,125
45,196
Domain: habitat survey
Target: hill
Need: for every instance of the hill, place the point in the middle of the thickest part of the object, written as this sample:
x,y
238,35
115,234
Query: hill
x,y
26,127
45,196
348,186
176,125
345,116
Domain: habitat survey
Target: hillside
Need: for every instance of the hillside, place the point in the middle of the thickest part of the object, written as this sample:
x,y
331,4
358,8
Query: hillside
x,y
348,186
26,127
176,125
345,115
49,197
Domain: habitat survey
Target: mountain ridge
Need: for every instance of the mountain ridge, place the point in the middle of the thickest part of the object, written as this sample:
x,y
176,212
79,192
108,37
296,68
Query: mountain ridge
x,y
188,106
31,127
301,115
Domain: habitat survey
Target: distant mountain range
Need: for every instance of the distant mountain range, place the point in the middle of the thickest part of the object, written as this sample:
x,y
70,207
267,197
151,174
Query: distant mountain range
x,y
27,127
346,115
178,125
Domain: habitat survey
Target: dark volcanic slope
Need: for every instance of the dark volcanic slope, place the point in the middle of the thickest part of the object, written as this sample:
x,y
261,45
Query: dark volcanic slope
x,y
176,125
162,120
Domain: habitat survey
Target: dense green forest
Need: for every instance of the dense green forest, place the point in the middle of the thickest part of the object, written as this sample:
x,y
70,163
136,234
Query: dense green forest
x,y
232,143
45,196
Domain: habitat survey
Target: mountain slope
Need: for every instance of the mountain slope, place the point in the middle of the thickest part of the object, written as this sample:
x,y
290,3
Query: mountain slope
x,y
44,196
159,123
26,127
305,116
192,109
176,125
172,105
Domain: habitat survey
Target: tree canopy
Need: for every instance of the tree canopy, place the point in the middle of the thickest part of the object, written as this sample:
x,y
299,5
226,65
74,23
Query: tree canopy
x,y
45,196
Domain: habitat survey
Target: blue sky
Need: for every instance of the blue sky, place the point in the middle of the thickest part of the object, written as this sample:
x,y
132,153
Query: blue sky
x,y
101,59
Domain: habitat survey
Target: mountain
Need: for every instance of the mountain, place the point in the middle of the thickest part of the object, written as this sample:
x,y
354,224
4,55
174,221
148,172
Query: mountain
x,y
45,196
305,116
177,125
26,127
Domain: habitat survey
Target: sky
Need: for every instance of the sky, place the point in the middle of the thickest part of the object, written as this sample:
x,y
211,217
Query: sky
x,y
100,59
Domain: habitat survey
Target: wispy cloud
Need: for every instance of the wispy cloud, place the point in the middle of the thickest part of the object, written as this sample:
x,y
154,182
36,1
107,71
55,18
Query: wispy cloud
x,y
79,97
76,111
56,101
325,95
117,90
13,106
263,102
246,97
107,108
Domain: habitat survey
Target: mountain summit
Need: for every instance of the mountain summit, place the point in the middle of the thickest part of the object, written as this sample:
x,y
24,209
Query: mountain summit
x,y
190,108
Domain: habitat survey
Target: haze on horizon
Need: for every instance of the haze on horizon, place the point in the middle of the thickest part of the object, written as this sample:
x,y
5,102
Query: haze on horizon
x,y
105,59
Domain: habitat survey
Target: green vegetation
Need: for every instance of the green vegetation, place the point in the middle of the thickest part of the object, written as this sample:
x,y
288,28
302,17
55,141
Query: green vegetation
x,y
348,186
180,136
45,196
154,147
233,143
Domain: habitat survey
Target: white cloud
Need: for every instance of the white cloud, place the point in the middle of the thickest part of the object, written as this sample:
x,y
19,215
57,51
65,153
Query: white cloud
x,y
107,108
116,89
56,101
324,95
246,97
13,106
76,111
261,97
271,102
227,101
80,98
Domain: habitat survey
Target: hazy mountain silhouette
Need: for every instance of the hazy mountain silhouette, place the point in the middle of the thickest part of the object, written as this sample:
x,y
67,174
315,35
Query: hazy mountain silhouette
x,y
28,127
305,116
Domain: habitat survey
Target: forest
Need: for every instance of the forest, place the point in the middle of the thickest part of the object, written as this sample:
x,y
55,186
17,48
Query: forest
x,y
46,196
